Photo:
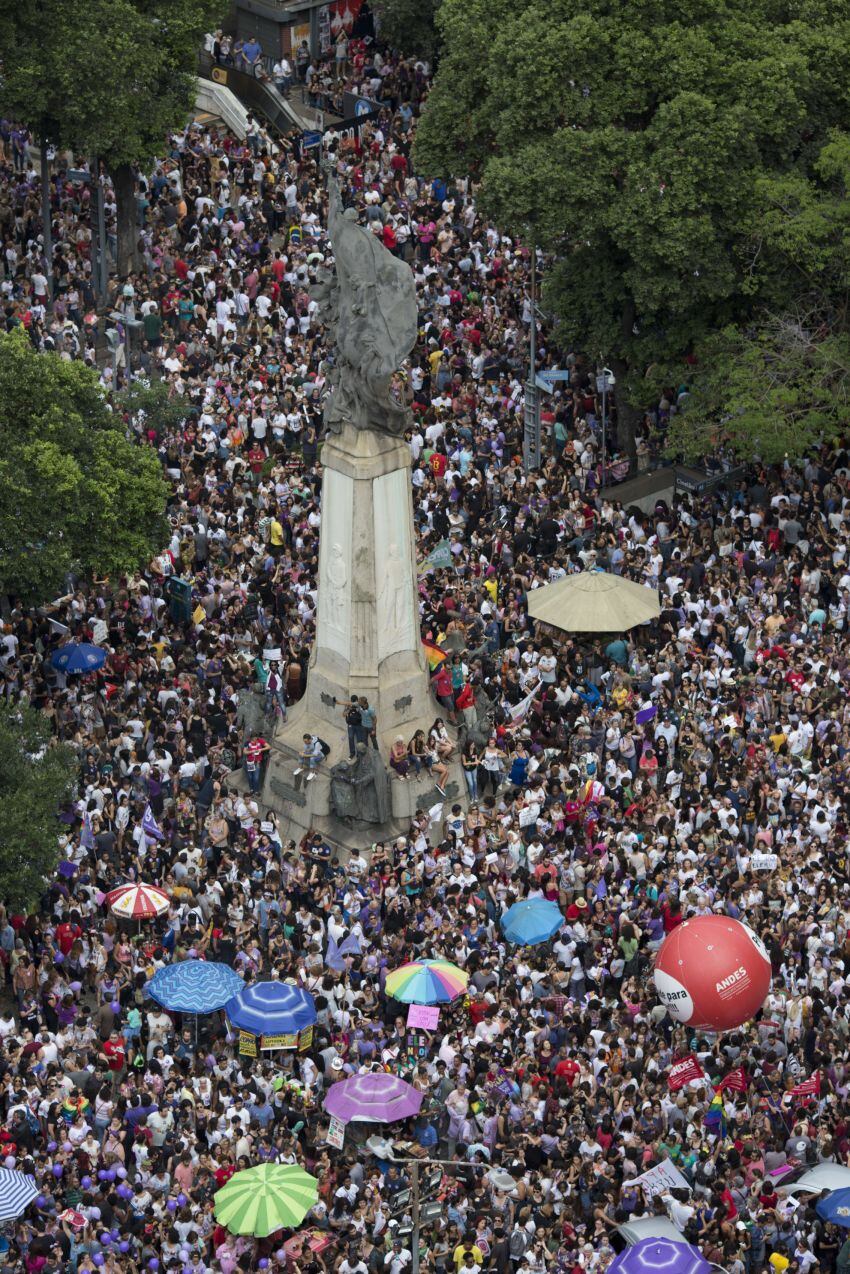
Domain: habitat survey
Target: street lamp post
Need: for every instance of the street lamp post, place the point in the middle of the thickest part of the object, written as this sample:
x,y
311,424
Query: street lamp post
x,y
47,220
415,1164
604,383
531,441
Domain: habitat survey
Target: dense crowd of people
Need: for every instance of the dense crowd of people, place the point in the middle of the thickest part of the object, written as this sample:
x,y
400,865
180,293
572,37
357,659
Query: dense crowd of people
x,y
691,766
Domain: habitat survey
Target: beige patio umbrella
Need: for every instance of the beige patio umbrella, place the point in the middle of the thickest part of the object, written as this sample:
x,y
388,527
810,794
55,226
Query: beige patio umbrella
x,y
593,602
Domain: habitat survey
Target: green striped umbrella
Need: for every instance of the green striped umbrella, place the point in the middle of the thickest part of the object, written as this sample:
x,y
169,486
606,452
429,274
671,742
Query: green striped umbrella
x,y
264,1199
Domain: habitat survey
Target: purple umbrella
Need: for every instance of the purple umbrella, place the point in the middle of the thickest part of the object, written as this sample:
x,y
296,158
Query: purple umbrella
x,y
659,1256
375,1098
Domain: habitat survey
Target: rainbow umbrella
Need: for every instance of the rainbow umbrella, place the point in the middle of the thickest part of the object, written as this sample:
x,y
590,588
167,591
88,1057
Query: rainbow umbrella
x,y
427,982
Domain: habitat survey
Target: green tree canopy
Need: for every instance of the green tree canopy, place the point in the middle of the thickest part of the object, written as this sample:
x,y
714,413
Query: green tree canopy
x,y
36,775
74,491
779,384
632,141
105,77
408,25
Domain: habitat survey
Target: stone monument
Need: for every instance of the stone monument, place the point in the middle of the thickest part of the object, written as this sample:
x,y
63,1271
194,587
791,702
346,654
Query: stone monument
x,y
367,625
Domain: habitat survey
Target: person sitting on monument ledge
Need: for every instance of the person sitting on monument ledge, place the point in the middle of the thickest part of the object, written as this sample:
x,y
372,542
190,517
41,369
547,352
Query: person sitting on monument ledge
x,y
438,738
399,761
310,758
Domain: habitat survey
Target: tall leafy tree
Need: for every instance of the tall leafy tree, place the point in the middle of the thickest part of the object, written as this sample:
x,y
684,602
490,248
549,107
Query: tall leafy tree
x,y
36,775
105,77
408,25
631,140
74,491
779,384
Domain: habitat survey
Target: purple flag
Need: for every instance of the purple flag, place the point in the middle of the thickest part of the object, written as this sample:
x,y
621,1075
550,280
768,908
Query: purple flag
x,y
645,714
150,827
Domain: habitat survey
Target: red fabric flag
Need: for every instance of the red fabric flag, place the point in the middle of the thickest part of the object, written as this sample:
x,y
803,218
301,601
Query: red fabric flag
x,y
683,1071
808,1088
736,1080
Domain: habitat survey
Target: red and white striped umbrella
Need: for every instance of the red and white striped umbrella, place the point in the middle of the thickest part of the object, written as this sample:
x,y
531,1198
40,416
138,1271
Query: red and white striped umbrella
x,y
137,902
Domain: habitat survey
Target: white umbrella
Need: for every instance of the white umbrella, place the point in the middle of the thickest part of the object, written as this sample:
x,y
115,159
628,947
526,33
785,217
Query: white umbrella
x,y
593,602
16,1193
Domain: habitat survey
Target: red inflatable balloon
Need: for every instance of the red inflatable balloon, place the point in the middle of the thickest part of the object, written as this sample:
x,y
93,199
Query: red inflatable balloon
x,y
713,972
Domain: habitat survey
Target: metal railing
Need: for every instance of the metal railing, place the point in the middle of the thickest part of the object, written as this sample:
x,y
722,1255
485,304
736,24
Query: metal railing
x,y
258,95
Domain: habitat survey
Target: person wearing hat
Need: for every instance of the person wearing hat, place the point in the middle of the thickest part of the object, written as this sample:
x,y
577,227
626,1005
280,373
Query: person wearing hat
x,y
577,908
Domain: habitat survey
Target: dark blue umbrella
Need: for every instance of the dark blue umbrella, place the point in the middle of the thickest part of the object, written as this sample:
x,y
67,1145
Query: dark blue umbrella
x,y
835,1208
531,921
78,656
659,1256
271,1008
194,986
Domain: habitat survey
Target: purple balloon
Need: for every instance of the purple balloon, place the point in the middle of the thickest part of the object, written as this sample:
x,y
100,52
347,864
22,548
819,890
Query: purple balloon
x,y
58,958
181,1199
51,1146
58,1170
10,1161
97,1259
153,1263
67,1147
172,1205
86,1183
105,1238
263,1263
101,1174
40,1200
122,1172
115,1006
114,1234
76,987
123,1246
111,1174
94,1214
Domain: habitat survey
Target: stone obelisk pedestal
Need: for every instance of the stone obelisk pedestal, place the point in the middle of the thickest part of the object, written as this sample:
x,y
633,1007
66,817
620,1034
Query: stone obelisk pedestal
x,y
367,637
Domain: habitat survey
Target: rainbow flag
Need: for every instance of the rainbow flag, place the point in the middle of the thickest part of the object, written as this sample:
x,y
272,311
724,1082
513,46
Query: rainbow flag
x,y
433,654
715,1116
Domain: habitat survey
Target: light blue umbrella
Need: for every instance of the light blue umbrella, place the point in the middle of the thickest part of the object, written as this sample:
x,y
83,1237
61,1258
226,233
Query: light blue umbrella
x,y
531,921
78,656
194,986
271,1008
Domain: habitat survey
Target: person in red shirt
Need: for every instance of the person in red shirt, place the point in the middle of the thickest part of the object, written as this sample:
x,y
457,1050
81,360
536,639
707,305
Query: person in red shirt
x,y
438,463
68,932
671,914
114,1054
566,1068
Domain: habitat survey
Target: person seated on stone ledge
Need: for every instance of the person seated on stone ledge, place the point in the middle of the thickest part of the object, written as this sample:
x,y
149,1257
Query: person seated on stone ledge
x,y
399,762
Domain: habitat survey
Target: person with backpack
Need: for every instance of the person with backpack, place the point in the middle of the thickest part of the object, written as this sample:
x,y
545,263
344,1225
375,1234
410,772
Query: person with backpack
x,y
311,756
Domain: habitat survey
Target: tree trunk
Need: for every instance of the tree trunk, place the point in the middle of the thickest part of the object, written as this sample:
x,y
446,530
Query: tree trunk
x,y
128,231
627,414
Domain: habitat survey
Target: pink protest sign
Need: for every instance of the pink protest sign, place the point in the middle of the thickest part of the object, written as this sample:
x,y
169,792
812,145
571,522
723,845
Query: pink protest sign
x,y
426,1016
